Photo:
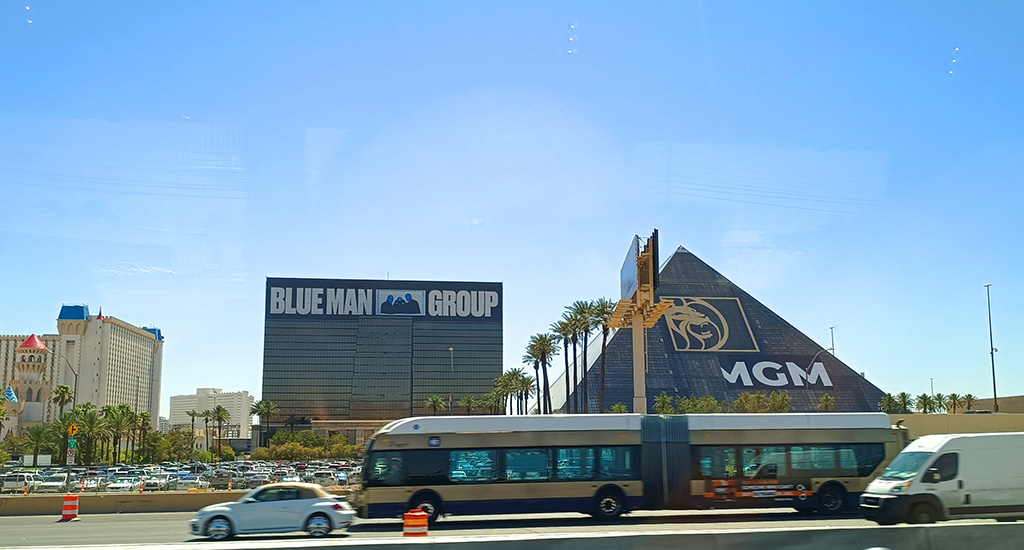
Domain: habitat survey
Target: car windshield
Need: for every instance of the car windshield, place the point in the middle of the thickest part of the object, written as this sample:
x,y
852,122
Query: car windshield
x,y
124,480
905,466
53,479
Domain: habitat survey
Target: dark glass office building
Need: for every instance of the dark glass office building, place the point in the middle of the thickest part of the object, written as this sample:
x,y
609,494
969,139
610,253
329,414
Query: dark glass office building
x,y
377,350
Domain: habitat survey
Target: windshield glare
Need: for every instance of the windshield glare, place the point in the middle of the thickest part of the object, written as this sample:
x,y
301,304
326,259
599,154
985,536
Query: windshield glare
x,y
905,466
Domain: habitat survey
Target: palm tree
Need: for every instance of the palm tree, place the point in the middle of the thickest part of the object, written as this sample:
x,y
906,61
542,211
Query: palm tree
x,y
469,403
970,401
563,332
584,311
58,430
108,412
193,414
37,437
493,401
62,396
220,415
529,359
663,404
602,312
436,403
143,421
93,429
826,403
955,401
576,326
924,403
905,402
888,404
207,416
940,402
524,389
265,409
619,408
543,346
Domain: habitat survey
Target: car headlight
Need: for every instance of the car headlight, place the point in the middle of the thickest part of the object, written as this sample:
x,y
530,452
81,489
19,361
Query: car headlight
x,y
899,487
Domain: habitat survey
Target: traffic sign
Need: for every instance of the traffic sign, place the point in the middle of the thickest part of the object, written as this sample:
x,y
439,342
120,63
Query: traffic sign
x,y
71,456
73,430
72,443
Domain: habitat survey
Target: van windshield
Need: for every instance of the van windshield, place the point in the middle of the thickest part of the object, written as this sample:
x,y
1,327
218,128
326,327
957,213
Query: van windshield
x,y
905,466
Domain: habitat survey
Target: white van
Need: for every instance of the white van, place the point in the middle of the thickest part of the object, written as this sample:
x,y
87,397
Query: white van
x,y
950,476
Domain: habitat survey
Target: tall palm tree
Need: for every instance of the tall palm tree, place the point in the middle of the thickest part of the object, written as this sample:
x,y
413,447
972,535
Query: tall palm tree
x,y
602,312
888,403
436,403
493,401
955,401
143,421
220,415
970,401
940,402
584,311
544,346
265,409
469,403
905,402
530,359
563,332
576,329
108,412
193,414
93,429
63,395
207,416
524,387
924,403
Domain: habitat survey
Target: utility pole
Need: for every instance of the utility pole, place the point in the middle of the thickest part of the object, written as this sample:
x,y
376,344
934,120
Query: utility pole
x,y
992,348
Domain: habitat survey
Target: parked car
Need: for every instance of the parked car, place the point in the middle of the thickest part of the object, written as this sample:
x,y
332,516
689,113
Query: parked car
x,y
15,482
325,477
258,480
193,482
94,484
125,485
161,482
59,483
274,508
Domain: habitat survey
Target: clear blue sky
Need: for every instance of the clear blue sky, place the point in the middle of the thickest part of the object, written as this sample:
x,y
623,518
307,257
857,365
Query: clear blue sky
x,y
162,159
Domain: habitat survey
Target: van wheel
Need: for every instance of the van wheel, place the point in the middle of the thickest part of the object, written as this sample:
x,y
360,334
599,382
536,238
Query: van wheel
x,y
608,504
922,513
831,500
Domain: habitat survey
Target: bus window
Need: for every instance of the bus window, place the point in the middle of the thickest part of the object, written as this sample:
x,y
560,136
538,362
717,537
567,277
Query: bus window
x,y
717,462
868,456
471,466
821,458
576,464
764,462
618,463
385,469
526,464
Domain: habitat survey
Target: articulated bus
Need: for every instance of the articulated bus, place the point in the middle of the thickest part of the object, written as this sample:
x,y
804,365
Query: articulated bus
x,y
607,464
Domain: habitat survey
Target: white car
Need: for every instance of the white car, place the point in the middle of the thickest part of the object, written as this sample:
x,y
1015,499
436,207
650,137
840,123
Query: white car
x,y
275,508
125,485
193,482
58,483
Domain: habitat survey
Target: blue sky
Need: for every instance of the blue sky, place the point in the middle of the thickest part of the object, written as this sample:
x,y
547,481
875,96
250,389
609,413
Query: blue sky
x,y
161,161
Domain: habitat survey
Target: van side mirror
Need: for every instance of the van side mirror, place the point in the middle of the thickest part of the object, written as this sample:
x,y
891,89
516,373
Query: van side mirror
x,y
932,476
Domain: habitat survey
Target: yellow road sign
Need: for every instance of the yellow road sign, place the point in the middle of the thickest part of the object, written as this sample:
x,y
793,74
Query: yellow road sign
x,y
73,430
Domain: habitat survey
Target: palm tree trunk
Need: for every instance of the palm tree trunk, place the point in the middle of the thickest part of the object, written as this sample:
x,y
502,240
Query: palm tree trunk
x,y
604,343
586,398
575,379
547,389
565,344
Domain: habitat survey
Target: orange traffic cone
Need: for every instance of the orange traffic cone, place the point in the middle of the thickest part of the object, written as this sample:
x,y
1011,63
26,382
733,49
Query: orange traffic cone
x,y
414,523
70,508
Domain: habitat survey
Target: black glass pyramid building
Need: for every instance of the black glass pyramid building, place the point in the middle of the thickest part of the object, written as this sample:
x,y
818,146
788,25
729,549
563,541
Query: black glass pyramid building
x,y
718,340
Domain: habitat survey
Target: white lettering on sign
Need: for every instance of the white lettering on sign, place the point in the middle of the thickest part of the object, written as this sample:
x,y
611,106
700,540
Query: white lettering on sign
x,y
771,374
464,303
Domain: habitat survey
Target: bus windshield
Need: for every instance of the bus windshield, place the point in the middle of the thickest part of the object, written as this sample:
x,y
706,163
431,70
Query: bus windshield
x,y
905,466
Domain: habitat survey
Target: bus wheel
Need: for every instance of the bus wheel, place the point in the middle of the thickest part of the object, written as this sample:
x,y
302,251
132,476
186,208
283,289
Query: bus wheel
x,y
428,504
922,513
831,500
608,504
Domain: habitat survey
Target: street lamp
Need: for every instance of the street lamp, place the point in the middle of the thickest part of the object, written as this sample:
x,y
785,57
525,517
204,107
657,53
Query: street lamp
x,y
74,393
451,358
991,348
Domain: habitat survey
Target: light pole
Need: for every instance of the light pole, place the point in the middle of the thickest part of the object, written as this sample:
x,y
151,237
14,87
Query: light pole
x,y
74,393
992,348
832,335
451,359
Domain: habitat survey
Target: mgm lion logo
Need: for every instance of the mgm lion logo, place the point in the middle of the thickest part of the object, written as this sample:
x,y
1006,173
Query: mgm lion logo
x,y
696,325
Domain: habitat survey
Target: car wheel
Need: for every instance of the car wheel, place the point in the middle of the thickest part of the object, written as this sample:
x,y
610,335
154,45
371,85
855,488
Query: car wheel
x,y
318,525
831,500
608,504
219,528
427,504
922,513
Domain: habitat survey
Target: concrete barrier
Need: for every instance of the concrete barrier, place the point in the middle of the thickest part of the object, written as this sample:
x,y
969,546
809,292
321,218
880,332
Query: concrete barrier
x,y
112,503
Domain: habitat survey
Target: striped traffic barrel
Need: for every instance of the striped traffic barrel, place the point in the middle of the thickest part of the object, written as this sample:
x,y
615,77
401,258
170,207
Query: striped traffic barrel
x,y
415,523
70,507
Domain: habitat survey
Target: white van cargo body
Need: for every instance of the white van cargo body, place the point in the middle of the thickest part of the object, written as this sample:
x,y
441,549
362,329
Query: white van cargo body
x,y
950,476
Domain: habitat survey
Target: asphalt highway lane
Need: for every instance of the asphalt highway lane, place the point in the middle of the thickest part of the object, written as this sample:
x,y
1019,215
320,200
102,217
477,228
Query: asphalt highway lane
x,y
172,527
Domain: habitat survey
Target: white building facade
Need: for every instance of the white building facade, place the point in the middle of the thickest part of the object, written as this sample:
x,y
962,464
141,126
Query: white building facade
x,y
116,362
238,404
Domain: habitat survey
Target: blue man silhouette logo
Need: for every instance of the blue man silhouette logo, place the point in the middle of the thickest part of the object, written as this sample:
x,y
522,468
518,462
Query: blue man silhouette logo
x,y
398,303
